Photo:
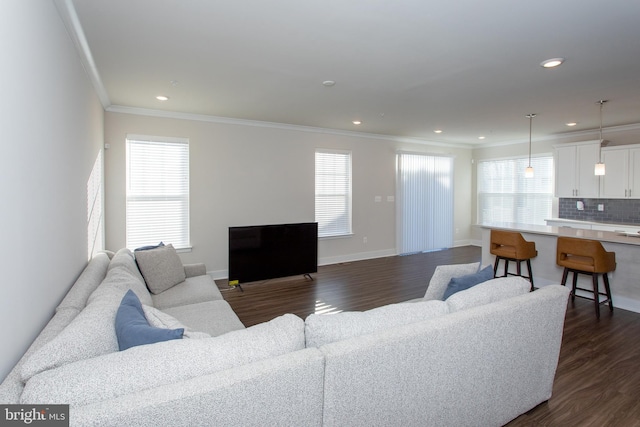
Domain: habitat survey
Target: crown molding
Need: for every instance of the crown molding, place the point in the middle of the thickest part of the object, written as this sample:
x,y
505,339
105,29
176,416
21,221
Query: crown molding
x,y
587,134
273,125
69,17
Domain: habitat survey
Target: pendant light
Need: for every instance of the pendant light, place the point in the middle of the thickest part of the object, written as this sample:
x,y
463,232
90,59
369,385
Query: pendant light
x,y
599,169
528,172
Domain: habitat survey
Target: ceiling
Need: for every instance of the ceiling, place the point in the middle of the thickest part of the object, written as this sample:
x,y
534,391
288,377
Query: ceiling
x,y
404,68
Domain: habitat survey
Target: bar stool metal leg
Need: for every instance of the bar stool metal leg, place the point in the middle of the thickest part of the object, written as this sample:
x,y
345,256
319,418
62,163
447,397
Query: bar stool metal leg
x,y
530,274
596,293
605,278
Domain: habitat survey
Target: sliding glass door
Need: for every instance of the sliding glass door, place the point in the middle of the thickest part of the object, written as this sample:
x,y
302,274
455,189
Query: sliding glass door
x,y
424,202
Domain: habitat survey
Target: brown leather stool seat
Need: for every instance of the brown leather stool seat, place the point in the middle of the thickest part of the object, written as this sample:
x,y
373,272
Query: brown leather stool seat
x,y
581,256
511,246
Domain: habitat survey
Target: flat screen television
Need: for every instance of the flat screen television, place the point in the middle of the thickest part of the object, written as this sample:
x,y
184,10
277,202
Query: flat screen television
x,y
260,252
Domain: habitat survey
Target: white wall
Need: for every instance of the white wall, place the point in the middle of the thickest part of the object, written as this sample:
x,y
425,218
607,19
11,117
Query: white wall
x,y
51,130
245,174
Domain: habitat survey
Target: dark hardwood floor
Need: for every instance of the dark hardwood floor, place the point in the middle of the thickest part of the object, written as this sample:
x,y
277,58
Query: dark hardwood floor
x,y
598,378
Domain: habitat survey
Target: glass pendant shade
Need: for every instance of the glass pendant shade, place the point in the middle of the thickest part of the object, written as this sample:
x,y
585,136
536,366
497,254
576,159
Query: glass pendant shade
x,y
528,172
599,170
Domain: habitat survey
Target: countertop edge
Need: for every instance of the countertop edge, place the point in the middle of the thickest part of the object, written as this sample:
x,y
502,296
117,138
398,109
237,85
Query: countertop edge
x,y
603,236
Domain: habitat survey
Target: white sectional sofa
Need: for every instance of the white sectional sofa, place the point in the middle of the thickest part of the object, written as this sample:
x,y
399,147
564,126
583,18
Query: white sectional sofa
x,y
480,358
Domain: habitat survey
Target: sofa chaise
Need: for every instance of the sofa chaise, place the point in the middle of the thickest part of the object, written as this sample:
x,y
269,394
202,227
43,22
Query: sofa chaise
x,y
480,358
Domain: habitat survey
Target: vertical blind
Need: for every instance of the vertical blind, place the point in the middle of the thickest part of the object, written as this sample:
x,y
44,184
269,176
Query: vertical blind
x,y
157,191
425,202
506,195
333,193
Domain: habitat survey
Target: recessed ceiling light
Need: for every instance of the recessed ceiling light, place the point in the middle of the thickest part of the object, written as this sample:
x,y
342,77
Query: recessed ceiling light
x,y
162,98
571,123
438,131
481,137
552,63
328,83
357,122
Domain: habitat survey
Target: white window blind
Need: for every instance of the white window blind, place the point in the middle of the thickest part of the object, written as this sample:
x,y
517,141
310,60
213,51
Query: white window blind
x,y
333,193
506,195
157,191
424,202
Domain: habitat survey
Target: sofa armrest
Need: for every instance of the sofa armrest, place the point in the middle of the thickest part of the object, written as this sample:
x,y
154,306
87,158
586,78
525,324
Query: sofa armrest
x,y
443,274
193,270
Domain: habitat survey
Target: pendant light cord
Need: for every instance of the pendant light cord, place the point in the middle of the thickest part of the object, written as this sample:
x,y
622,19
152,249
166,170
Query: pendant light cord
x,y
530,117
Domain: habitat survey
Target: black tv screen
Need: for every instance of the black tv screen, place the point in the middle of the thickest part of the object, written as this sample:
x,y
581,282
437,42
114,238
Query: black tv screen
x,y
260,252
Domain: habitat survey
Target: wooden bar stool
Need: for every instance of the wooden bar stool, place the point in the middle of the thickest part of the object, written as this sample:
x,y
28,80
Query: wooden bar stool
x,y
511,246
586,257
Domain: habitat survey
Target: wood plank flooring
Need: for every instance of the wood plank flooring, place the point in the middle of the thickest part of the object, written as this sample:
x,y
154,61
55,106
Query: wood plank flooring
x,y
598,378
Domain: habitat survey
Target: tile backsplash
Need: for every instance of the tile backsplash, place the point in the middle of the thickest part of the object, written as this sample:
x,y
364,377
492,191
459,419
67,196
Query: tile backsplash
x,y
617,211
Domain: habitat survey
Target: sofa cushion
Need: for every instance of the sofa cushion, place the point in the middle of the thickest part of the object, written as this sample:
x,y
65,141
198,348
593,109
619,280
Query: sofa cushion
x,y
146,367
89,280
161,268
90,334
92,331
193,290
160,319
133,329
122,275
457,284
443,274
212,317
487,292
322,329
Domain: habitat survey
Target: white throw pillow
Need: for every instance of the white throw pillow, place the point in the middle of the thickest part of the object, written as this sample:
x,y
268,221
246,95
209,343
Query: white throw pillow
x,y
160,319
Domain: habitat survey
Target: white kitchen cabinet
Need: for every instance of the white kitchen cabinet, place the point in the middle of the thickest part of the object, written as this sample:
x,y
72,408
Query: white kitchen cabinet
x,y
622,177
574,165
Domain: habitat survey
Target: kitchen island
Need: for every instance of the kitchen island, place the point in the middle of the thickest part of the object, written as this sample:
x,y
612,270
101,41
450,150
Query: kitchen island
x,y
625,280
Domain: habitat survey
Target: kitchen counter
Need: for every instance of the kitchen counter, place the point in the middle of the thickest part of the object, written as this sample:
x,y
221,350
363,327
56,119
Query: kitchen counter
x,y
580,233
594,225
625,280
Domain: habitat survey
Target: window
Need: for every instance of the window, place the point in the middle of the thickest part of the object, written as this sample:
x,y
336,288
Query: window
x,y
157,191
333,193
424,203
505,195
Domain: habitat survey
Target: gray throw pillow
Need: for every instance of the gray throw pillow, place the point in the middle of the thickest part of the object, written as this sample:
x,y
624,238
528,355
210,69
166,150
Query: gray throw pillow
x,y
458,284
161,268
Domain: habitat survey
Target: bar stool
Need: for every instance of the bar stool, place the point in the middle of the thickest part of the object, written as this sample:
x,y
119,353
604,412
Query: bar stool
x,y
586,257
511,246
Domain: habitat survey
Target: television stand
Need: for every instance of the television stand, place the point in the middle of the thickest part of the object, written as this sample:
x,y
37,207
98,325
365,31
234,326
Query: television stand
x,y
307,275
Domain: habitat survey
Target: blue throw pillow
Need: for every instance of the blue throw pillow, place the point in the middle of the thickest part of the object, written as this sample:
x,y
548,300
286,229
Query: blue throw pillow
x,y
133,329
457,284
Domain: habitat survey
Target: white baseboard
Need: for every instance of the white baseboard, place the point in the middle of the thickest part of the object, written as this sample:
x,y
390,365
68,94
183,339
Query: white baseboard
x,y
360,256
218,274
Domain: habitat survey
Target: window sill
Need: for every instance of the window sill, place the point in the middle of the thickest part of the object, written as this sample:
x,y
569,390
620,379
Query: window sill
x,y
341,236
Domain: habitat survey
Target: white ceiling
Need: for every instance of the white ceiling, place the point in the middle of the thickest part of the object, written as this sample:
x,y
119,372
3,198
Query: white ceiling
x,y
468,67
